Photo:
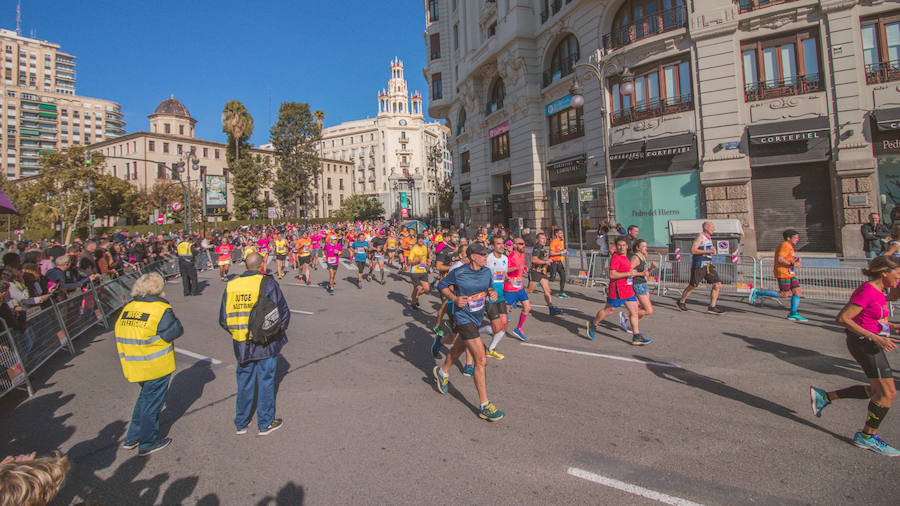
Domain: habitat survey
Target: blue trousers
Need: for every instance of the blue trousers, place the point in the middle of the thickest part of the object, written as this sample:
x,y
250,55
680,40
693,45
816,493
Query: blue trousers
x,y
255,382
144,427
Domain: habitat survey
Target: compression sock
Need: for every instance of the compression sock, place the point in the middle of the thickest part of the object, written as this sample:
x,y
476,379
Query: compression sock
x,y
522,318
854,392
795,303
382,274
562,280
767,293
496,340
876,414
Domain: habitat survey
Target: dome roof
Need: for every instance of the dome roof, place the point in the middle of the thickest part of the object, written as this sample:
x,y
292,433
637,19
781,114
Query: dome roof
x,y
172,107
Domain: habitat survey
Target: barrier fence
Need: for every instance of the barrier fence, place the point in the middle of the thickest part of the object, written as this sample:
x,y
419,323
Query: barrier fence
x,y
65,318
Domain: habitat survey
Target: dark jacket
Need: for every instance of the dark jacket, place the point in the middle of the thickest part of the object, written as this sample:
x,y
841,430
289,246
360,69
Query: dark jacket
x,y
246,351
872,238
13,319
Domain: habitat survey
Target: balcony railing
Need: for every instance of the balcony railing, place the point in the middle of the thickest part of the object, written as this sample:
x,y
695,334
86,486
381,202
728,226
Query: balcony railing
x,y
795,85
573,132
566,66
663,21
653,109
436,56
883,71
752,5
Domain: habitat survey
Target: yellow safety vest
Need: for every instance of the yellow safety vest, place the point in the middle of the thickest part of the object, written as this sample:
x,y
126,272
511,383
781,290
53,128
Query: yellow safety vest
x,y
143,353
240,297
184,249
280,246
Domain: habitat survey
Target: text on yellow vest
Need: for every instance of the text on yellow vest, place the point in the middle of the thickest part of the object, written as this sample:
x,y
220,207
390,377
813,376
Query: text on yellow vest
x,y
143,353
184,248
240,297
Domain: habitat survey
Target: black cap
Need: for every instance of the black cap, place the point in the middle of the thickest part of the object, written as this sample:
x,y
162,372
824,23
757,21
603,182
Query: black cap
x,y
420,236
477,249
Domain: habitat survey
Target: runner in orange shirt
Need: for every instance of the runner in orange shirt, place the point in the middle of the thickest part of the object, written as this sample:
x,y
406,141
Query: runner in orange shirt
x,y
558,254
304,256
785,265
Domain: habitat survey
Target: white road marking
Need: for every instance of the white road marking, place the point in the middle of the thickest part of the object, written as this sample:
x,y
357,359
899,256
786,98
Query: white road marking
x,y
602,355
628,487
545,307
300,312
197,356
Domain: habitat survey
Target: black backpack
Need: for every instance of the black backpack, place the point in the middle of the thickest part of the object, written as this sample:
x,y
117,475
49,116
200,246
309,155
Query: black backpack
x,y
264,326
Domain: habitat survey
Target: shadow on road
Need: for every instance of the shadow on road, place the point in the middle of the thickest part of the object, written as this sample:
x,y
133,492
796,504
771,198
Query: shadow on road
x,y
185,389
289,494
801,357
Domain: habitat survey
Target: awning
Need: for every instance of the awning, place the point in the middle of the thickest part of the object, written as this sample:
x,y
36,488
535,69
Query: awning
x,y
627,151
888,119
789,131
670,146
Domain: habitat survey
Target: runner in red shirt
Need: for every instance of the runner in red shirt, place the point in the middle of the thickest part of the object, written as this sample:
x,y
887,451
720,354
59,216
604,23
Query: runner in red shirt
x,y
620,292
223,250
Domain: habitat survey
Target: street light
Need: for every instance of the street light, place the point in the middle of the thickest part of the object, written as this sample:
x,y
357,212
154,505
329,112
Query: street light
x,y
599,70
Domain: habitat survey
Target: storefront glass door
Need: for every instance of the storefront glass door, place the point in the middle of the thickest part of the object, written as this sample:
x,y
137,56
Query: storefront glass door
x,y
573,216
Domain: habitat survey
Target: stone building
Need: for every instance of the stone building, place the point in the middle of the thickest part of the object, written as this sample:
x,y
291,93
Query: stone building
x,y
782,113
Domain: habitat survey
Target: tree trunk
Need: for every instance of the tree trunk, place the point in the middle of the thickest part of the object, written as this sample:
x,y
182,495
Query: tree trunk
x,y
71,231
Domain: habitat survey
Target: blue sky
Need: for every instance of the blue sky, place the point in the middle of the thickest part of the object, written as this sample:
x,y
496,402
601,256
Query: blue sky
x,y
334,55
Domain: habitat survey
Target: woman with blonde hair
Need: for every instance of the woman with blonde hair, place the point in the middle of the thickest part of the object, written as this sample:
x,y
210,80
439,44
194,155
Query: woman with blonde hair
x,y
25,480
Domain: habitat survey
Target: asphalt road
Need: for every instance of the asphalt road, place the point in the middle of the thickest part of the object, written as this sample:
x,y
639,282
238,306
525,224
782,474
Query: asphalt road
x,y
714,411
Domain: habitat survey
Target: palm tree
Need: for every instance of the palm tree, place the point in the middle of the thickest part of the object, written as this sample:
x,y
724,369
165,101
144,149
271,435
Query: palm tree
x,y
237,123
320,116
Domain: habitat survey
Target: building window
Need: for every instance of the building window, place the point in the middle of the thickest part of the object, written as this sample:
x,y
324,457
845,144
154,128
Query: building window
x,y
496,96
342,199
165,147
160,171
180,129
437,88
329,199
432,10
179,149
435,45
661,89
749,5
781,66
329,183
461,122
151,146
455,37
500,147
464,159
565,125
562,63
637,19
167,128
341,186
216,153
881,47
492,30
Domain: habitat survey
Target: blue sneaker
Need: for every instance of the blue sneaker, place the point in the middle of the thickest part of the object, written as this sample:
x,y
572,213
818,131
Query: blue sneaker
x,y
490,412
817,400
590,327
440,381
555,311
623,321
469,370
640,340
752,297
563,295
436,346
521,335
796,317
875,444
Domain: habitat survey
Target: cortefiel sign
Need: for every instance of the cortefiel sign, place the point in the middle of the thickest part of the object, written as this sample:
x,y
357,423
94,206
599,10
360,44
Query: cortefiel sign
x,y
802,136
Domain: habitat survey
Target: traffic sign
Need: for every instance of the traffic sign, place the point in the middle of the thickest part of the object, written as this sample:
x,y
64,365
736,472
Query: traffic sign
x,y
564,195
271,212
160,218
404,212
176,206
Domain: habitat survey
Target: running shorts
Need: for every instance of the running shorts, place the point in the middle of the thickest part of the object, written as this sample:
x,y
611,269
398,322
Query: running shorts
x,y
466,331
495,309
360,266
333,267
512,297
304,259
641,288
536,276
788,284
418,277
706,273
870,356
280,257
611,302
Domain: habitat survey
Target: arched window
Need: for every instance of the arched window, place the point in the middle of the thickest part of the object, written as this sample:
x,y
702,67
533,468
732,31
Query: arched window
x,y
562,62
637,19
461,122
498,93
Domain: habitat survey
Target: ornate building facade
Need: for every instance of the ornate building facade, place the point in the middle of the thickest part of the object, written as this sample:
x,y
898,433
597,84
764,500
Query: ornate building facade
x,y
782,113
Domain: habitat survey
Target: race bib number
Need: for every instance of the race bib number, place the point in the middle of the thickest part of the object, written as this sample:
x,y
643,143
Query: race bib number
x,y
629,281
331,260
420,267
885,328
517,282
498,276
361,251
476,302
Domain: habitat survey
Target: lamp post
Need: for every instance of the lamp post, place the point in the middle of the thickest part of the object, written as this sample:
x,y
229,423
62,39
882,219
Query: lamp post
x,y
62,223
599,70
89,189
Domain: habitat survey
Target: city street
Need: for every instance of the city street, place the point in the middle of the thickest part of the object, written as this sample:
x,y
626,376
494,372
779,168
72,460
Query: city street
x,y
714,411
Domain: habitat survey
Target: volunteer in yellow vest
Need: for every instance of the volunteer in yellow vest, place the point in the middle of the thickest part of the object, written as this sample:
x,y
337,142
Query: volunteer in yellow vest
x,y
418,268
144,333
256,364
187,253
281,251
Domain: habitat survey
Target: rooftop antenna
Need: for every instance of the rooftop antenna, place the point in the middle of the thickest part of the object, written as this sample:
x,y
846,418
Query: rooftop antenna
x,y
19,18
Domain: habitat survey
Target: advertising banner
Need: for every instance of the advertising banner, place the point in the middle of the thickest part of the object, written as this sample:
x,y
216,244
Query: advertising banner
x,y
216,195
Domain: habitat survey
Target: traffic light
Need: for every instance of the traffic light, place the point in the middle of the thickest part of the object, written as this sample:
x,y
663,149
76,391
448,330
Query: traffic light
x,y
87,156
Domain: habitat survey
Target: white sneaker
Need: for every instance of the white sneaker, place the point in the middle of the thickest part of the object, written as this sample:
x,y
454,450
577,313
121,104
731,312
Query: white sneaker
x,y
623,321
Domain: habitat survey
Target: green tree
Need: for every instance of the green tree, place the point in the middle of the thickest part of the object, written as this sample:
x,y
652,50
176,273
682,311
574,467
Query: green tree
x,y
63,176
295,138
161,195
360,207
249,178
238,125
444,204
114,197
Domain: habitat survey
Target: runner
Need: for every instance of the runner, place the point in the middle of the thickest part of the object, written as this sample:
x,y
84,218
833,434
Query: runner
x,y
641,289
223,250
703,270
315,244
405,244
377,256
540,260
785,266
418,260
514,288
868,336
620,292
304,256
558,254
391,247
498,263
262,247
332,252
281,252
360,249
447,260
468,287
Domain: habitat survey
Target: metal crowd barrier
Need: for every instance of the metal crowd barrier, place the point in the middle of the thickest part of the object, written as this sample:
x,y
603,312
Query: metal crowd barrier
x,y
738,274
55,327
828,279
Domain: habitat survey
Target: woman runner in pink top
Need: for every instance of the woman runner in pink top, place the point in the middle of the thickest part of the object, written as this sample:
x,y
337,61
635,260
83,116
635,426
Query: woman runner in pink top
x,y
332,260
514,288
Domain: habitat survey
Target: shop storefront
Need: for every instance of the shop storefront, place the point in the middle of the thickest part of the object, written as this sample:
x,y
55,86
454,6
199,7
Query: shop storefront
x,y
790,183
572,199
886,148
656,181
465,193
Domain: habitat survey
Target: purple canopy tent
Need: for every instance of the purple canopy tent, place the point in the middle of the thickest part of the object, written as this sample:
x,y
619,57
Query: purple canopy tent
x,y
6,205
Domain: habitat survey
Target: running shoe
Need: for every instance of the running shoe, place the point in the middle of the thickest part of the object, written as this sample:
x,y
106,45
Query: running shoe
x,y
162,443
521,335
307,282
590,327
240,431
752,297
415,305
817,400
495,354
331,291
382,281
275,425
797,318
640,340
875,444
623,321
714,310
490,412
555,311
130,445
359,286
469,370
439,331
681,305
563,295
